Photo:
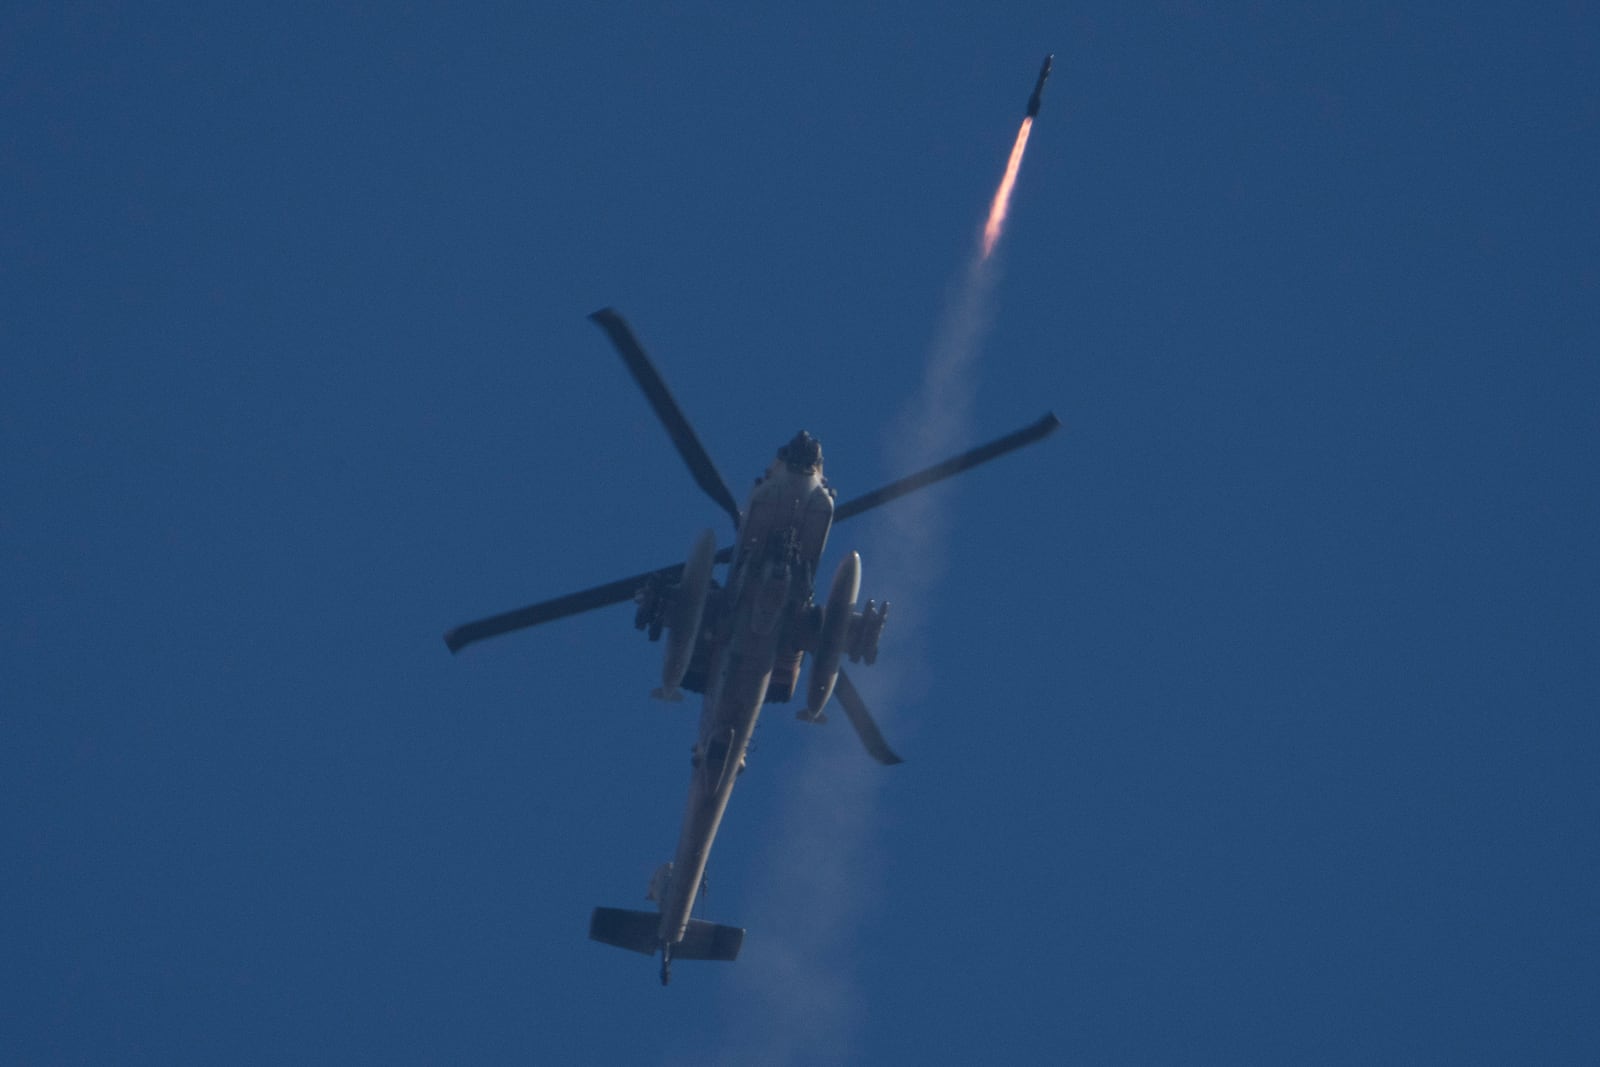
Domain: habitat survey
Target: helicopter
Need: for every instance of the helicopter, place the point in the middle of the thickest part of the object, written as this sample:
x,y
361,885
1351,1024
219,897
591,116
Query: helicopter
x,y
739,642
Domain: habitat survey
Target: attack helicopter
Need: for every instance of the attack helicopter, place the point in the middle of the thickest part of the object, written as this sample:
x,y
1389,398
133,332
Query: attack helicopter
x,y
739,642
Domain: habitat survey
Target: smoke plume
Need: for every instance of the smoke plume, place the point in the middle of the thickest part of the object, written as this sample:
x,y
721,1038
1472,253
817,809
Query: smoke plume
x,y
821,876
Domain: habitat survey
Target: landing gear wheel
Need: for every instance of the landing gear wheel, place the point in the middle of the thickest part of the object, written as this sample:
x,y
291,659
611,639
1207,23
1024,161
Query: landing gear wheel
x,y
666,964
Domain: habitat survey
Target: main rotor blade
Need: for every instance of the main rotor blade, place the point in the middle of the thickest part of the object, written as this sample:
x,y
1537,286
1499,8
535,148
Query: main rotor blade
x,y
855,710
572,604
667,410
938,472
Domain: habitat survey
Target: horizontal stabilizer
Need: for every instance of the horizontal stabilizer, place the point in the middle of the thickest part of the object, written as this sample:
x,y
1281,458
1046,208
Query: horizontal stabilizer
x,y
635,931
709,941
639,931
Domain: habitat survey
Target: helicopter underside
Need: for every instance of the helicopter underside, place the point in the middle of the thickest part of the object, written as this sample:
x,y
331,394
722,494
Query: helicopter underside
x,y
747,641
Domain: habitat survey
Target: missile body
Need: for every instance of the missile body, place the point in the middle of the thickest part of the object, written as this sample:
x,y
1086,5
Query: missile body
x,y
1038,86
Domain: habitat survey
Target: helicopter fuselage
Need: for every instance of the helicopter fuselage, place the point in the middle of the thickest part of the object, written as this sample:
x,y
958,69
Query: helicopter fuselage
x,y
770,580
741,644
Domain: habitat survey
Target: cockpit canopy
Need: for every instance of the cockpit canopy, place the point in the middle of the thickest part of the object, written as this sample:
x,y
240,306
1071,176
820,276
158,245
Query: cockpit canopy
x,y
803,454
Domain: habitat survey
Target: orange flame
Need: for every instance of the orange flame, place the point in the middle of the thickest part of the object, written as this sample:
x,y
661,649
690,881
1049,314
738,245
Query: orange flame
x,y
1002,196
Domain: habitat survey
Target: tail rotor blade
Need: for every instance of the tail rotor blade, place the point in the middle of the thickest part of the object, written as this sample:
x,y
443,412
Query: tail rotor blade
x,y
855,710
667,410
1036,431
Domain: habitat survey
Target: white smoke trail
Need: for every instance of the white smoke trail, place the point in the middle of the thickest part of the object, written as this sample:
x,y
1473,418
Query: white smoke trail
x,y
821,876
799,999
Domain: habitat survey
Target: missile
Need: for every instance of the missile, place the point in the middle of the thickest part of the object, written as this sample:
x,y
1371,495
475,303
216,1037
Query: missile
x,y
1038,86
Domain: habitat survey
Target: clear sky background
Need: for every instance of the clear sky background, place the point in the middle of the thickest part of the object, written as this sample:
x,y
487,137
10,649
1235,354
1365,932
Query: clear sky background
x,y
1250,718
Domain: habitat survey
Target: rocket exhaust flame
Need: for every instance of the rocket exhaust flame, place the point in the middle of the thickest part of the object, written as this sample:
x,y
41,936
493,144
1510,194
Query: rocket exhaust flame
x,y
1002,196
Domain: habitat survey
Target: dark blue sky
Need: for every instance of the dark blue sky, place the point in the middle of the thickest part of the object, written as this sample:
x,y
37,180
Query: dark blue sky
x,y
1251,718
